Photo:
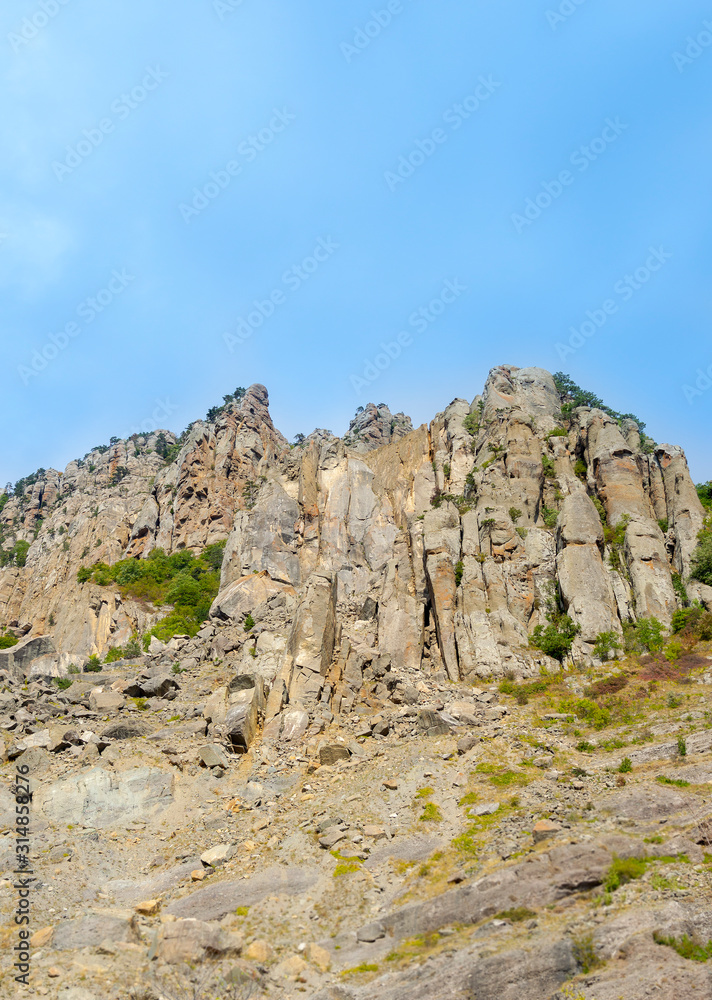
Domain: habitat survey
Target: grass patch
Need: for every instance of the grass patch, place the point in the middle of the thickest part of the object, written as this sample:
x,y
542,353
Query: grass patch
x,y
660,882
360,969
686,947
662,779
507,778
622,871
516,915
523,692
424,793
501,777
347,868
469,799
431,814
242,911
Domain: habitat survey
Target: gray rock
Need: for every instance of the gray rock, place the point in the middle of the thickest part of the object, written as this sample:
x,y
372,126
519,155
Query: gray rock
x,y
218,855
89,931
213,756
371,932
190,941
331,754
129,730
214,901
102,798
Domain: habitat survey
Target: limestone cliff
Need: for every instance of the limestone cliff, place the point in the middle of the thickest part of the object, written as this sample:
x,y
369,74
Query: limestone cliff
x,y
451,535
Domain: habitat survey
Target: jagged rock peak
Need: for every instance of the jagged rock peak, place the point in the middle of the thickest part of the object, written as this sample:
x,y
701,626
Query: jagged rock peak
x,y
531,390
374,426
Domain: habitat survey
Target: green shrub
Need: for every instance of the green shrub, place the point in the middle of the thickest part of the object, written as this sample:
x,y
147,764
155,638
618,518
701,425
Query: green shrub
x,y
459,570
626,766
19,551
702,558
249,623
556,638
622,871
673,651
704,492
471,423
132,647
515,513
649,633
549,467
114,654
63,683
677,782
581,470
681,746
585,954
664,524
73,669
686,947
587,710
550,516
6,641
558,432
684,617
605,644
93,666
181,579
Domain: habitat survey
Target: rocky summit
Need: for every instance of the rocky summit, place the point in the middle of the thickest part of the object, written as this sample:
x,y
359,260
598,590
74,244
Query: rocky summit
x,y
413,714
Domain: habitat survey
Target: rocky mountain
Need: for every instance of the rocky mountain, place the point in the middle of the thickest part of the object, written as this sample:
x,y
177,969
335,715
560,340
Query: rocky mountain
x,y
305,646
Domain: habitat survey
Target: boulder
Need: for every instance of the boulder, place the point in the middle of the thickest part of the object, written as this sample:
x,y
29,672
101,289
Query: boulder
x,y
331,753
191,941
242,596
102,798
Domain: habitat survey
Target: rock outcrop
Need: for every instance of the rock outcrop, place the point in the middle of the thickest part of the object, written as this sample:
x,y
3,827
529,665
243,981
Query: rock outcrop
x,y
455,532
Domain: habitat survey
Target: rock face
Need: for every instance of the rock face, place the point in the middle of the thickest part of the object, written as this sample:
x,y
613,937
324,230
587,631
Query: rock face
x,y
451,535
314,794
374,426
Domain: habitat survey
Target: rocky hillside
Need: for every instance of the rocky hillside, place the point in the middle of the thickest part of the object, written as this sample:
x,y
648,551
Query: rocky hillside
x,y
320,718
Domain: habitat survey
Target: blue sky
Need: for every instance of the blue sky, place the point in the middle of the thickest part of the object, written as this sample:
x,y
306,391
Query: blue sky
x,y
406,148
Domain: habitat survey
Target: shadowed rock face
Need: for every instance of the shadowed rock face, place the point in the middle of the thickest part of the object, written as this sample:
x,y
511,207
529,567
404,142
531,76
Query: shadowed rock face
x,y
455,532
